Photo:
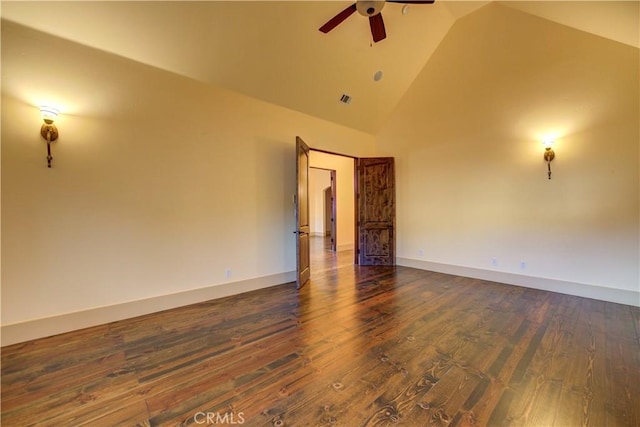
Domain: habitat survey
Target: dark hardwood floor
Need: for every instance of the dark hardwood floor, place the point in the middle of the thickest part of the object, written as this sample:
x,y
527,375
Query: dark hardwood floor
x,y
323,261
358,346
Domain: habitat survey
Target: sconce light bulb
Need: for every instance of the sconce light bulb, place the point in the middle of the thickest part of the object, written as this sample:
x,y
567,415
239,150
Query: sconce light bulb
x,y
49,114
548,144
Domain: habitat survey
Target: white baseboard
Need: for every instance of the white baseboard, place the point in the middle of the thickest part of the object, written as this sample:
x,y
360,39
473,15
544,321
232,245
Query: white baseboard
x,y
620,296
345,247
39,328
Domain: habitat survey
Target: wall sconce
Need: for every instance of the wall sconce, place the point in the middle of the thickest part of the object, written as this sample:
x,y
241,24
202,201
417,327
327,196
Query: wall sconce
x,y
49,131
549,155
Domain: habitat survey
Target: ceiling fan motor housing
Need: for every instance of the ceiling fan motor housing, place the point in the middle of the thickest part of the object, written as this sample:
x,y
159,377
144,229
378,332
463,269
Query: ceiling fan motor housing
x,y
369,8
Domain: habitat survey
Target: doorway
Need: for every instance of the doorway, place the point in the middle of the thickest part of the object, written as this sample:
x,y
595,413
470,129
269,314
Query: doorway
x,y
332,218
323,205
368,203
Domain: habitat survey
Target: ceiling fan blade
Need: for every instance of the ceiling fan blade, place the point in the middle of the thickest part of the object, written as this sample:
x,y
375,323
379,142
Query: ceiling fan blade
x,y
377,27
412,1
336,20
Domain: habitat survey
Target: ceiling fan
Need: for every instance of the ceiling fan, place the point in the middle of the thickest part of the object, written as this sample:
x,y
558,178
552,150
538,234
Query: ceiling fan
x,y
373,10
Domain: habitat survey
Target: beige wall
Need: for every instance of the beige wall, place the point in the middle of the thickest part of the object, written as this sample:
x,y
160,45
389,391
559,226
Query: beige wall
x,y
159,185
345,194
471,182
319,179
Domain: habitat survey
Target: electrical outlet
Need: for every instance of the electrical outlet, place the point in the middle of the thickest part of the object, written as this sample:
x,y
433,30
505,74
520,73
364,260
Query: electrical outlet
x,y
494,262
227,273
420,252
523,265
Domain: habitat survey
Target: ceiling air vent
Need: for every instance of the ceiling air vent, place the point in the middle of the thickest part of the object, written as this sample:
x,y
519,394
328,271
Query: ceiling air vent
x,y
345,99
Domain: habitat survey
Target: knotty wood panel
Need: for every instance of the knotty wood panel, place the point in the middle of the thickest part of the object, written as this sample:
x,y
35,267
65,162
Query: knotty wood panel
x,y
361,346
377,211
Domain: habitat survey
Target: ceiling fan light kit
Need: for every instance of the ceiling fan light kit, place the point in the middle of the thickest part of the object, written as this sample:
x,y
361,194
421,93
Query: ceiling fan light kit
x,y
371,9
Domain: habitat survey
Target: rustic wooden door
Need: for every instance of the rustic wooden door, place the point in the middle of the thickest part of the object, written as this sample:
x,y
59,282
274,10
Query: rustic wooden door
x,y
376,219
302,213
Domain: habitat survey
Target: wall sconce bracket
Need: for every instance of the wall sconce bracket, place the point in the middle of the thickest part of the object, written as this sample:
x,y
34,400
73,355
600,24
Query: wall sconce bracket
x,y
549,155
49,132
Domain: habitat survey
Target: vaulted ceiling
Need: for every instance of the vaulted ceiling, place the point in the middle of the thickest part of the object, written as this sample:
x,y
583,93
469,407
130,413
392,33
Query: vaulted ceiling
x,y
273,50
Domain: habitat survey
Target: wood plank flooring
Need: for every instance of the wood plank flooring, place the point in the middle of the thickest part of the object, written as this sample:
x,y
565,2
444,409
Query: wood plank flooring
x,y
358,346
